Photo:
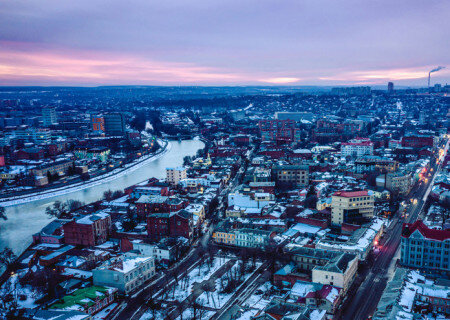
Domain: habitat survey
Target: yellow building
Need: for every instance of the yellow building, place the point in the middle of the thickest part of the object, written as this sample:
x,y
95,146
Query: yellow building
x,y
224,237
351,206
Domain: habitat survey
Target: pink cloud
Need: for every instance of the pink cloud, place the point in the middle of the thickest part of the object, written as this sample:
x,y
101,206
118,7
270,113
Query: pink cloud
x,y
19,65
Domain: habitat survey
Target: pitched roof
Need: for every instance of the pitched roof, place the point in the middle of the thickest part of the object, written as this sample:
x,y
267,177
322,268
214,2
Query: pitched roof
x,y
428,233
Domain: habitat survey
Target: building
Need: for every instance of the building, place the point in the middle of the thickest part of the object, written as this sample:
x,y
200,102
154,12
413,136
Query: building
x,y
173,224
357,147
127,272
175,175
390,88
417,141
253,238
296,175
425,248
223,234
243,197
316,295
100,154
359,243
162,251
351,207
49,116
88,300
279,130
399,183
90,230
346,91
114,124
325,266
366,164
98,124
296,116
148,204
410,295
59,167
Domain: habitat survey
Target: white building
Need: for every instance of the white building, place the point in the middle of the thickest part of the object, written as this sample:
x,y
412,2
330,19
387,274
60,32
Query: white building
x,y
252,238
175,175
127,272
357,148
246,199
161,253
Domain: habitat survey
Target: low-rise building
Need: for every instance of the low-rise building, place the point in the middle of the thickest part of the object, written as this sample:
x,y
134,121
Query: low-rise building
x,y
89,230
88,300
253,238
127,272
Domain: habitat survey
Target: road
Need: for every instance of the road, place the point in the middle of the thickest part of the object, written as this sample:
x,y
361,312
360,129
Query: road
x,y
364,302
134,306
260,276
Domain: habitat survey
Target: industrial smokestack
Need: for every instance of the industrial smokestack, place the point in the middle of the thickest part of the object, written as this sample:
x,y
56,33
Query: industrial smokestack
x,y
434,70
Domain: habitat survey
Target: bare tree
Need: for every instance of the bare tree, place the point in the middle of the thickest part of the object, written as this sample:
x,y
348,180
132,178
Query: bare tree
x,y
3,213
57,210
108,195
73,205
7,257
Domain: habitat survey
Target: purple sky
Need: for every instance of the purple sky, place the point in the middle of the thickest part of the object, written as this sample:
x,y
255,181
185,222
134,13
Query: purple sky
x,y
219,42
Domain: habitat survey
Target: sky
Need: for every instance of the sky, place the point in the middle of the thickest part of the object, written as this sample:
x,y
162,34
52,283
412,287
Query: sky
x,y
223,42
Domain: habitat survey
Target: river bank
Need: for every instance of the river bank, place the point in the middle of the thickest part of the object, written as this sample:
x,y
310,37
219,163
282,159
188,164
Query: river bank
x,y
109,176
25,219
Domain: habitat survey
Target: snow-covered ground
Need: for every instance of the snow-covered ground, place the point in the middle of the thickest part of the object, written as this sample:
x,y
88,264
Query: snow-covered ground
x,y
107,177
185,285
25,295
188,314
216,299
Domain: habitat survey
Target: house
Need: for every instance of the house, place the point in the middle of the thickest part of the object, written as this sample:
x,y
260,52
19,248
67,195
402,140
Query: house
x,y
316,295
127,272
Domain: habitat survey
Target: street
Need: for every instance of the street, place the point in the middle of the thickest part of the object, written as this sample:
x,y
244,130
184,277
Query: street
x,y
364,302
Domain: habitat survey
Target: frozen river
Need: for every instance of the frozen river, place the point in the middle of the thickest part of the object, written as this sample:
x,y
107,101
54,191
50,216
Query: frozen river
x,y
26,219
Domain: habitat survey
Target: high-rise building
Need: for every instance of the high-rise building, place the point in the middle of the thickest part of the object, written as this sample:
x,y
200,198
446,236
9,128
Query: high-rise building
x,y
49,116
114,124
390,87
98,124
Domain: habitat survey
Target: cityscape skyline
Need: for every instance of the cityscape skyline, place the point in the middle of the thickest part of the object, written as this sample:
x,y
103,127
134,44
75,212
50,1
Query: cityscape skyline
x,y
232,43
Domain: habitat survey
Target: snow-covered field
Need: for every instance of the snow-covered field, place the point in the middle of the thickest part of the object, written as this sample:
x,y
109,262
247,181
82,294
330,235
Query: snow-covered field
x,y
107,177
